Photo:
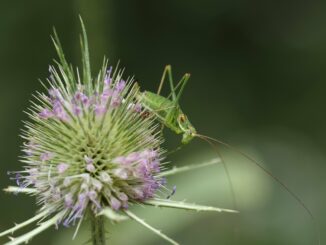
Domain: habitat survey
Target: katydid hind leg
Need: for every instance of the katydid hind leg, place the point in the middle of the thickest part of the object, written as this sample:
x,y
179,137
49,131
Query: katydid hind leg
x,y
172,88
183,83
167,74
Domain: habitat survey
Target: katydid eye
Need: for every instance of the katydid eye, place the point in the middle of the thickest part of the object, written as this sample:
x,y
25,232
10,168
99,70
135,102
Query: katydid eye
x,y
182,118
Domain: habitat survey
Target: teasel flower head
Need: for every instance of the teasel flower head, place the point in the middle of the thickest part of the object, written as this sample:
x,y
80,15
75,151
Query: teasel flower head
x,y
89,149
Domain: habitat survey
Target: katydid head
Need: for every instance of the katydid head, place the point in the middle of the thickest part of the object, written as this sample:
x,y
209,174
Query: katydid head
x,y
189,132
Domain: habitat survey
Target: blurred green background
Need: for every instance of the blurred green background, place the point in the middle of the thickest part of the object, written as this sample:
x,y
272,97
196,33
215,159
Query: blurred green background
x,y
258,82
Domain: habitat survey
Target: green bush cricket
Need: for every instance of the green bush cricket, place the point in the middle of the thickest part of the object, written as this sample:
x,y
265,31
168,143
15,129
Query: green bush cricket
x,y
168,112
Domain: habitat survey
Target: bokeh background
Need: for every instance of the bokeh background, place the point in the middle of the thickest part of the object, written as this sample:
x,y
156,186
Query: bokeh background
x,y
258,82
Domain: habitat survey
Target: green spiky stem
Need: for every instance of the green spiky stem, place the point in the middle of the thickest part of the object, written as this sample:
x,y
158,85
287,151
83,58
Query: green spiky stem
x,y
98,230
25,223
42,227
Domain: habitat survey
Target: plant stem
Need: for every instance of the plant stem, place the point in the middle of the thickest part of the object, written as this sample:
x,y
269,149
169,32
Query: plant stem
x,y
98,232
